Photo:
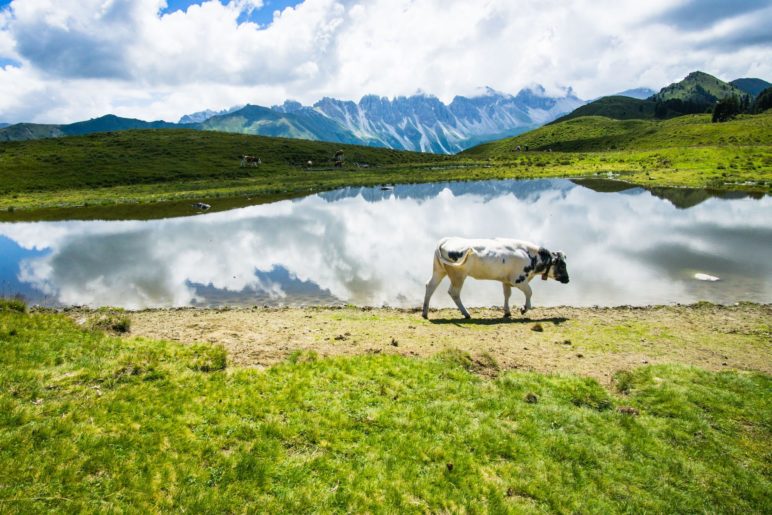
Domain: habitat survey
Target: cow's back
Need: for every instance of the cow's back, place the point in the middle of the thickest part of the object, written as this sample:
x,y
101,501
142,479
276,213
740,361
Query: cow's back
x,y
497,259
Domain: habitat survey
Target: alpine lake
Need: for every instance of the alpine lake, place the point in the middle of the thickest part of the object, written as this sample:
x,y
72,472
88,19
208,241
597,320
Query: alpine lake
x,y
373,246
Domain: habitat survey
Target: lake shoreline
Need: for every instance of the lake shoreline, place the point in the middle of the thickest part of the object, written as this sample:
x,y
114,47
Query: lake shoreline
x,y
595,342
174,198
182,203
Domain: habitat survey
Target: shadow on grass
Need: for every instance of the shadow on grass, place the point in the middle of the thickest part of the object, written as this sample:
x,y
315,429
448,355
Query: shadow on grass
x,y
497,321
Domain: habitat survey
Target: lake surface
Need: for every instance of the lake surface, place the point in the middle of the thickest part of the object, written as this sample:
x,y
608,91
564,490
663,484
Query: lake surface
x,y
373,246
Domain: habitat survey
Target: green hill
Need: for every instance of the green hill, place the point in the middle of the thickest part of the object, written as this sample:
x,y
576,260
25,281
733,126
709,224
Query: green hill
x,y
111,122
597,133
107,123
751,86
697,93
616,107
168,155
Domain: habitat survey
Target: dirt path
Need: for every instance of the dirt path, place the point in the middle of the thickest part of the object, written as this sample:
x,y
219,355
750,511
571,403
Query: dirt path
x,y
588,341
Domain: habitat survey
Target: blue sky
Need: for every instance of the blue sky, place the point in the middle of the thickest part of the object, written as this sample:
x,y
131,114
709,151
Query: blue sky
x,y
68,60
262,16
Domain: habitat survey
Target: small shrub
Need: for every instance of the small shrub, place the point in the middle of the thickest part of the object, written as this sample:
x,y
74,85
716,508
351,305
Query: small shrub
x,y
624,381
484,364
111,322
207,358
589,394
140,365
458,358
301,356
13,304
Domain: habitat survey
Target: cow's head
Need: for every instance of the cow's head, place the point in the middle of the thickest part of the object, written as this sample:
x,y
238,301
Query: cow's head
x,y
557,268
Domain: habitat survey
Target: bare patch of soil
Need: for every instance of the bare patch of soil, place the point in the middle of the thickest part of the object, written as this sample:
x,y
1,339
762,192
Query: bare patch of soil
x,y
594,342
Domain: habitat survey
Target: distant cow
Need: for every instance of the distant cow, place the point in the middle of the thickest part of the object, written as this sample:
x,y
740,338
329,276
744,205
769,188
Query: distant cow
x,y
201,206
513,262
338,159
250,160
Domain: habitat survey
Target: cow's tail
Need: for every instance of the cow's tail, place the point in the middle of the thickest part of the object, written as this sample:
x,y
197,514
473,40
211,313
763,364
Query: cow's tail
x,y
445,258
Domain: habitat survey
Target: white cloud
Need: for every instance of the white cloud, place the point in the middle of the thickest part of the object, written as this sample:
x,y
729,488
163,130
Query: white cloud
x,y
85,58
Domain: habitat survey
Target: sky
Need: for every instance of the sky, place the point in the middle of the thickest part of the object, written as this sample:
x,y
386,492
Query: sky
x,y
68,60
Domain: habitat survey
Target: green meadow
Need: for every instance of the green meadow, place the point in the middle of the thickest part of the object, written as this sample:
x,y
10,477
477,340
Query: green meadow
x,y
91,422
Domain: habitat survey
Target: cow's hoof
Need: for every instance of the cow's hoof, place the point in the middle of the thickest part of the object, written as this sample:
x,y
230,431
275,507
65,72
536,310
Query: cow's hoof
x,y
523,311
425,315
468,316
507,315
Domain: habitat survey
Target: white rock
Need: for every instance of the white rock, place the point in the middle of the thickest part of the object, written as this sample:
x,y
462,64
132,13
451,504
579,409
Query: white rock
x,y
705,277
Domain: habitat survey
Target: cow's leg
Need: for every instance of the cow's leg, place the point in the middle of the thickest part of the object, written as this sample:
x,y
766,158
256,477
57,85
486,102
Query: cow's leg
x,y
525,288
437,276
456,283
507,293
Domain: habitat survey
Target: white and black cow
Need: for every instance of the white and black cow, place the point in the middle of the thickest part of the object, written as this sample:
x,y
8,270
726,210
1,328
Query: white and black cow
x,y
250,161
513,262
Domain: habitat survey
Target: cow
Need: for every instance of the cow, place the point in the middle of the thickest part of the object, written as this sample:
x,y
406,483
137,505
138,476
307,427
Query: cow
x,y
338,159
250,160
513,262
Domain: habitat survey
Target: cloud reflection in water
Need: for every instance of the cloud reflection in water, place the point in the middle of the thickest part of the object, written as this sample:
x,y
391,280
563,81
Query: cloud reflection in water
x,y
371,247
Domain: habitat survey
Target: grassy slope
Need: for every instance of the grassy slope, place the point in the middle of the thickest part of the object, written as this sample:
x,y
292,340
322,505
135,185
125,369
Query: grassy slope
x,y
156,156
95,423
591,134
617,107
684,151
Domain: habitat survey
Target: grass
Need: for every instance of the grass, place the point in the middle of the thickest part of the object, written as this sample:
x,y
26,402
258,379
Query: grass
x,y
165,169
90,422
600,134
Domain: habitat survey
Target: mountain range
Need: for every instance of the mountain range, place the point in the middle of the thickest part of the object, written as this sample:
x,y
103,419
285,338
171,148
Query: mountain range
x,y
202,116
639,93
419,122
107,123
423,122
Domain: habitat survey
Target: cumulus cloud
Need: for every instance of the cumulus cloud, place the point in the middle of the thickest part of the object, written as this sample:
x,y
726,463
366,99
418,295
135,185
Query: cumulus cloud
x,y
84,58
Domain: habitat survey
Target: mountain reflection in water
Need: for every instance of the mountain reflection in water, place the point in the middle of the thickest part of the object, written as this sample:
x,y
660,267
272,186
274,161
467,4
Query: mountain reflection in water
x,y
371,246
